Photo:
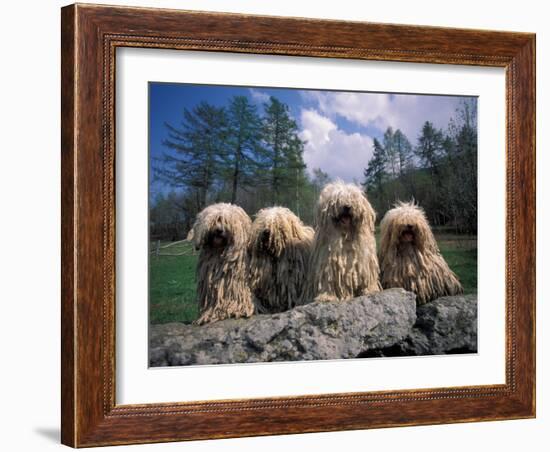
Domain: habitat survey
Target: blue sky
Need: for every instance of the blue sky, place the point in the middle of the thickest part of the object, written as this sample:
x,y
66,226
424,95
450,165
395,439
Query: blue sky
x,y
339,126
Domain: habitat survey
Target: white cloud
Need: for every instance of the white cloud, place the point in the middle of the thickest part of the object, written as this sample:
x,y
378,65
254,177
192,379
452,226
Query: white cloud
x,y
406,112
258,96
336,152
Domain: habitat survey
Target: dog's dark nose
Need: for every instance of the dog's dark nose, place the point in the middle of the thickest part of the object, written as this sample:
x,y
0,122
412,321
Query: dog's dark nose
x,y
218,231
265,234
347,209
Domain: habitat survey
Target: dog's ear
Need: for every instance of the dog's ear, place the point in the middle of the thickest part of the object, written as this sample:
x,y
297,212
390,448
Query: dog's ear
x,y
190,238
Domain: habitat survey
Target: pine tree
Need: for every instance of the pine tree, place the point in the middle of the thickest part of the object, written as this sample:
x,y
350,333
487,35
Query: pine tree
x,y
430,151
466,139
375,173
319,179
461,183
296,178
404,152
199,147
282,155
243,143
392,157
430,146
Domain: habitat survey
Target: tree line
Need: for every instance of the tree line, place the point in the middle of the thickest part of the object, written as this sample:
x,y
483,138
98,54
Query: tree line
x,y
232,154
252,158
439,171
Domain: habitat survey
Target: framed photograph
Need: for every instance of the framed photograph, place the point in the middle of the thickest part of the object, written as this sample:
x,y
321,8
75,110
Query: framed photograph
x,y
281,225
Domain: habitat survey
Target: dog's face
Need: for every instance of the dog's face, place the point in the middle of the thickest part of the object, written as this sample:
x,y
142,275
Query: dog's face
x,y
344,217
218,237
345,208
220,226
265,241
408,234
405,227
274,229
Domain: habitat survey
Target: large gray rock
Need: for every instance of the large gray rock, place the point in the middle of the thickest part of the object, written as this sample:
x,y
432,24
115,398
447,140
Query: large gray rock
x,y
313,331
444,326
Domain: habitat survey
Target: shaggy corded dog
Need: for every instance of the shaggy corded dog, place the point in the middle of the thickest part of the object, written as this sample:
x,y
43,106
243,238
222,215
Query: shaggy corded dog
x,y
221,234
279,250
410,257
343,262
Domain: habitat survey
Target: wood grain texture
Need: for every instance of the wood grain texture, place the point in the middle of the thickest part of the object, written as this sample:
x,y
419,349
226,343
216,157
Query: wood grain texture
x,y
67,226
90,36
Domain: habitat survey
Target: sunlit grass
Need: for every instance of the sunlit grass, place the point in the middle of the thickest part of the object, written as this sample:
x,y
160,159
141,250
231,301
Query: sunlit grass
x,y
172,285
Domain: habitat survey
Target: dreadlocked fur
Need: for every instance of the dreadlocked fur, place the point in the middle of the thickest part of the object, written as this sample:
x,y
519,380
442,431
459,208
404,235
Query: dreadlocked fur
x,y
279,249
410,257
344,264
221,233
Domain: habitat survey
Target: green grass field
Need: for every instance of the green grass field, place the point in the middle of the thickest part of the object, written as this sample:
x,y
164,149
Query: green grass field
x,y
172,286
172,283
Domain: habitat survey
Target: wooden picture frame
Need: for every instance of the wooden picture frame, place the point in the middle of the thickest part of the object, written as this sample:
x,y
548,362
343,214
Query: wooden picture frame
x,y
90,36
